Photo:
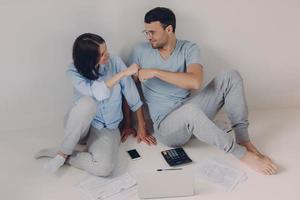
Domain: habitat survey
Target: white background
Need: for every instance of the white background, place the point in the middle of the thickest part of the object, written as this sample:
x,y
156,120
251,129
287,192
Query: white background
x,y
260,38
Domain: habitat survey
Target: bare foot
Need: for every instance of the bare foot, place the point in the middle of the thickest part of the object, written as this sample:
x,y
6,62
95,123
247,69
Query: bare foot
x,y
250,147
259,164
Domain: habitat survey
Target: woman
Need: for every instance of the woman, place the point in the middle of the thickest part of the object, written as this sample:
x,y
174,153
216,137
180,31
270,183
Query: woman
x,y
99,81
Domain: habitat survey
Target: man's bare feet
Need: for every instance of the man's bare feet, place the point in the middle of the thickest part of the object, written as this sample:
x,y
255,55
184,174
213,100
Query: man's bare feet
x,y
259,164
250,147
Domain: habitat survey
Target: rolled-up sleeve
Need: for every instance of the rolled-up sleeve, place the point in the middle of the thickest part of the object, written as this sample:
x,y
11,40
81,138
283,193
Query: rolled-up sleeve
x,y
96,89
131,94
128,87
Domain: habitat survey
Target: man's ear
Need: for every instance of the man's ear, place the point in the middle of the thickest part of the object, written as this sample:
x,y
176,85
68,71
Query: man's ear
x,y
169,29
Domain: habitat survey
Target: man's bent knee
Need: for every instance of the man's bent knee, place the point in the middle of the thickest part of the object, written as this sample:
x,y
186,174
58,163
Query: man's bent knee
x,y
231,74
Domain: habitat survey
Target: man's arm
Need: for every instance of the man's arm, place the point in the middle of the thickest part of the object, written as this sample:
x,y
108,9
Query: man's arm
x,y
191,79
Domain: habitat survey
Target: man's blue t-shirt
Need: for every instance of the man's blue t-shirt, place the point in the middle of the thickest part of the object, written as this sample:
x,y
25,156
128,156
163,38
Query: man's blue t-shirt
x,y
161,96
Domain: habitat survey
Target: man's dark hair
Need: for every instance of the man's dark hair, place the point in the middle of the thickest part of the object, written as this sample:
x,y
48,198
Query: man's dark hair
x,y
164,15
86,55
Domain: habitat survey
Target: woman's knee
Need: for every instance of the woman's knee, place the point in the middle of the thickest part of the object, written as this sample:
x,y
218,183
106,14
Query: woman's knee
x,y
88,104
103,170
85,108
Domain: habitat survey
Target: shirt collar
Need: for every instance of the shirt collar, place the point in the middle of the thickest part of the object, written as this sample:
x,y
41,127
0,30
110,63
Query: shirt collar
x,y
102,69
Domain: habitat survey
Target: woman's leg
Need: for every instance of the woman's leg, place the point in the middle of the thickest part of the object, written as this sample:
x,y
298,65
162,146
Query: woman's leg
x,y
102,155
76,128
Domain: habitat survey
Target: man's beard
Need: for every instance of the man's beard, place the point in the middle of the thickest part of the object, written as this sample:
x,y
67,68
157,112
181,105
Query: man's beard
x,y
158,46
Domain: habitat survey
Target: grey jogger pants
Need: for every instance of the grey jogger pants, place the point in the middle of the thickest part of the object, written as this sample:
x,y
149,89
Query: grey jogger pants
x,y
102,145
195,116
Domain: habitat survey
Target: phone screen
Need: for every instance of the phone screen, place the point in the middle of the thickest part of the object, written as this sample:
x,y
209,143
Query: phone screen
x,y
134,154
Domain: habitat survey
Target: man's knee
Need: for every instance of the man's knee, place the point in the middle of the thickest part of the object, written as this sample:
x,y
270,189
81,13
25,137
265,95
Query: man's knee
x,y
230,75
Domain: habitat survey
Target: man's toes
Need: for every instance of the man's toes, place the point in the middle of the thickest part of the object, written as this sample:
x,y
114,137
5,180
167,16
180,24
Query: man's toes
x,y
274,169
265,172
271,170
274,166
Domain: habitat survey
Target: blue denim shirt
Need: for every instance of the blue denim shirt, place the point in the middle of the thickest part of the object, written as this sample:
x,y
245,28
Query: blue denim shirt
x,y
109,101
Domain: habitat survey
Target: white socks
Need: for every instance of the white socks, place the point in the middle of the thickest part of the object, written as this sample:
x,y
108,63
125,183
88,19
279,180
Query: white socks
x,y
55,163
51,153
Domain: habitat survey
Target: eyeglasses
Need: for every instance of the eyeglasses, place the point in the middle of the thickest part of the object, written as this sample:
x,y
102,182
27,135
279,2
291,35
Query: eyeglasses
x,y
148,33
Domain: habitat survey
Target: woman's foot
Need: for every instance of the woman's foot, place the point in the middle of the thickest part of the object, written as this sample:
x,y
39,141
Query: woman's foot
x,y
55,163
259,164
51,153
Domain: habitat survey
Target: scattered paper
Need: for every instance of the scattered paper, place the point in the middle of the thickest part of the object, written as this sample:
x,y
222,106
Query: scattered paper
x,y
97,188
220,173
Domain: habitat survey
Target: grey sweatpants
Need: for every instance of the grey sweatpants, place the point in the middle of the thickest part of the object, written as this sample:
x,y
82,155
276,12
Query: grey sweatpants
x,y
102,145
195,117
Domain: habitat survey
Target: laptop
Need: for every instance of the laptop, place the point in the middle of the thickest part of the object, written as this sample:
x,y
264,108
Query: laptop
x,y
174,182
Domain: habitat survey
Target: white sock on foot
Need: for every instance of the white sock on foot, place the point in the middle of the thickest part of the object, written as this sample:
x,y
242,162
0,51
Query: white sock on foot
x,y
51,153
55,163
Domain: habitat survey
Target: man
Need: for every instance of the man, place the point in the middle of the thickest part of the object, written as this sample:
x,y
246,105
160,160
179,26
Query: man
x,y
170,69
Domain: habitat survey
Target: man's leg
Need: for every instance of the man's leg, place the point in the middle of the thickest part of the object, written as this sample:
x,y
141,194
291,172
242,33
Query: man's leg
x,y
177,128
227,90
101,158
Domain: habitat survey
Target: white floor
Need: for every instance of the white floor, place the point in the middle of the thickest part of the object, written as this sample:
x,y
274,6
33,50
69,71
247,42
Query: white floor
x,y
275,132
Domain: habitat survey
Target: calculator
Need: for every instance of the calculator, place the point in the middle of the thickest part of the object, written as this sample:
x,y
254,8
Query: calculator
x,y
176,156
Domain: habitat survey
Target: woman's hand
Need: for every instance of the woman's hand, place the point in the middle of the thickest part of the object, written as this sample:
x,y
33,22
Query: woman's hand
x,y
131,70
144,136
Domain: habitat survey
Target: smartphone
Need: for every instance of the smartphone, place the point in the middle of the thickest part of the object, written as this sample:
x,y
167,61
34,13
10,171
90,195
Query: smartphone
x,y
134,155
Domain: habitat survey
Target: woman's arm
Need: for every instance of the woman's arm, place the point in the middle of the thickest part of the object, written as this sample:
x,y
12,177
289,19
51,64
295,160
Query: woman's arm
x,y
117,77
142,133
98,89
126,129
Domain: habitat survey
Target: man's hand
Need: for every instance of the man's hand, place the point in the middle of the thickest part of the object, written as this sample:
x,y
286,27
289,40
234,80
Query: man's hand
x,y
145,74
144,136
126,132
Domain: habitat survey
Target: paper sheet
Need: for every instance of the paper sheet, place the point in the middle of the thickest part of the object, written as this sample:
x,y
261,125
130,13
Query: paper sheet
x,y
97,188
220,173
